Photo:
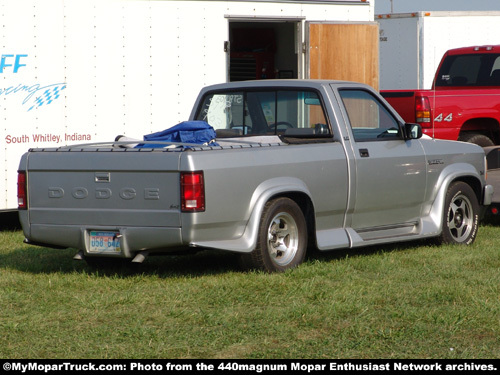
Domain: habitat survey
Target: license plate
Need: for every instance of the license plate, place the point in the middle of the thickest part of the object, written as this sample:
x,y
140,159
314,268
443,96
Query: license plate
x,y
104,242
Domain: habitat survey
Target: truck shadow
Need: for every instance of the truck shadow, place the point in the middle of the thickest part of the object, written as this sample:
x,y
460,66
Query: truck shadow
x,y
39,260
332,255
9,221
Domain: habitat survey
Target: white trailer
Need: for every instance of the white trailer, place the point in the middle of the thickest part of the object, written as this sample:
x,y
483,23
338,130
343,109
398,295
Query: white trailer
x,y
76,71
412,44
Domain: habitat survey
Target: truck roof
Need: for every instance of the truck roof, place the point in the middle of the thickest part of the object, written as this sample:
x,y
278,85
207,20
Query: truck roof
x,y
474,49
311,83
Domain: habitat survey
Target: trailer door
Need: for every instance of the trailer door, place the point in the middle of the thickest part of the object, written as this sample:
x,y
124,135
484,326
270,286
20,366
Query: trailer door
x,y
264,48
343,51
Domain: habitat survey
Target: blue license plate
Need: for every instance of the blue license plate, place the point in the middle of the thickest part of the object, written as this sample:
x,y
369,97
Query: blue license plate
x,y
104,242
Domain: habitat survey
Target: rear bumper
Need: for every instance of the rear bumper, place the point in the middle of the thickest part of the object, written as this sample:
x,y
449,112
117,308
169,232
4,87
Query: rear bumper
x,y
132,239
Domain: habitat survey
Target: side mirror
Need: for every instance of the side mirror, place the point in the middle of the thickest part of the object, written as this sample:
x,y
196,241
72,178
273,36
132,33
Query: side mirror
x,y
413,131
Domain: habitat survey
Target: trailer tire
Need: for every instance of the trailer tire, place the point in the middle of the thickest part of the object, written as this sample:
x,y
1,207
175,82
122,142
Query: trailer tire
x,y
282,238
460,216
476,138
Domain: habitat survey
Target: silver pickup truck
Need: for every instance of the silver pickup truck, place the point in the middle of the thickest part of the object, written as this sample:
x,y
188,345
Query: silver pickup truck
x,y
295,164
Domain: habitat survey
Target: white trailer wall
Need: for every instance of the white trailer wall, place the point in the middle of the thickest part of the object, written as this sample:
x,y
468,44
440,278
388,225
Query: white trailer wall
x,y
412,44
76,71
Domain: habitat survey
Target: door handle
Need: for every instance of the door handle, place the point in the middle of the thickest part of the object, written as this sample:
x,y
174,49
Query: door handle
x,y
363,152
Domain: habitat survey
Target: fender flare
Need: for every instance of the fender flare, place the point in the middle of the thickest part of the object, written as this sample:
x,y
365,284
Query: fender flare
x,y
432,224
266,191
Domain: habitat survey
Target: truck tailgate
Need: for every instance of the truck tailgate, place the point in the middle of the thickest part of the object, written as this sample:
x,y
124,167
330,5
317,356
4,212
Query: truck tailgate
x,y
119,187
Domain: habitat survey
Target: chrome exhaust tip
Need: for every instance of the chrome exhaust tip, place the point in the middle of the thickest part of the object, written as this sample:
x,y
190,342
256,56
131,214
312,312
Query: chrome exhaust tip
x,y
79,256
139,258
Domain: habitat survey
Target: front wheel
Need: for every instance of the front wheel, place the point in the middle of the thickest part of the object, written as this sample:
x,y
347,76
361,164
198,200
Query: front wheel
x,y
282,237
461,215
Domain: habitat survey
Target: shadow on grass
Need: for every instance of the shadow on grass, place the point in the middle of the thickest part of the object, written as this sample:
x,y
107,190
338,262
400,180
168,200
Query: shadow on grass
x,y
33,259
9,221
339,254
490,219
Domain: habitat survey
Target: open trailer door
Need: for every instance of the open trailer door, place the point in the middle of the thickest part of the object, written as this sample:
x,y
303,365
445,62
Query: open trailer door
x,y
343,51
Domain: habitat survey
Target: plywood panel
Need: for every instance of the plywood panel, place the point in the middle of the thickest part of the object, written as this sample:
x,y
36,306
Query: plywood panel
x,y
344,51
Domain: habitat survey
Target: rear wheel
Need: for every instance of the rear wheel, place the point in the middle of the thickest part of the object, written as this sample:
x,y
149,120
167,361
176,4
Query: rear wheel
x,y
476,138
461,215
282,237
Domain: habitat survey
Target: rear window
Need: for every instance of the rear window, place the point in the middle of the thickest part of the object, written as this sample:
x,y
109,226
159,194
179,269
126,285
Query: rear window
x,y
243,113
470,70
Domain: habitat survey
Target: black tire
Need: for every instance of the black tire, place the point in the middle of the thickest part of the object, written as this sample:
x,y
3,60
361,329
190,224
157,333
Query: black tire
x,y
478,139
282,238
461,215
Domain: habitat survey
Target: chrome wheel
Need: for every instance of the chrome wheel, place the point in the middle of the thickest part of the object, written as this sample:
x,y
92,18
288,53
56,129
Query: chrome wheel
x,y
460,215
282,239
460,218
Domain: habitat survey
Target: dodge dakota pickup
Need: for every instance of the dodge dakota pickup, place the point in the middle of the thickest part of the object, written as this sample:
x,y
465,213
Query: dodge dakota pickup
x,y
295,164
464,101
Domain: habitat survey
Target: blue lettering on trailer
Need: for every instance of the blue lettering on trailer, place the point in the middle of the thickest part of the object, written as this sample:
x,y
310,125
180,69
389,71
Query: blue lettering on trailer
x,y
38,95
11,61
50,93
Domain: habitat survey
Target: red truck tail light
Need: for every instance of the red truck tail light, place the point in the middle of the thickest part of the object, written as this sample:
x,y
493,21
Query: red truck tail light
x,y
22,196
192,192
423,110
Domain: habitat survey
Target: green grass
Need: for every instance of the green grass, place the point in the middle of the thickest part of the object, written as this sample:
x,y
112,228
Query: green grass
x,y
401,301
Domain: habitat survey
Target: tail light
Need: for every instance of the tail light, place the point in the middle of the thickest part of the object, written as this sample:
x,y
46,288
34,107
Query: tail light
x,y
192,192
22,196
423,111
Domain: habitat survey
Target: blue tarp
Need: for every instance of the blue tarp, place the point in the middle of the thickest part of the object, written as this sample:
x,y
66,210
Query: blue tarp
x,y
194,132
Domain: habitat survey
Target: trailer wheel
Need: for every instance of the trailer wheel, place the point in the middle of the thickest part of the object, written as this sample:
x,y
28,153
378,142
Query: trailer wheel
x,y
282,238
461,215
476,138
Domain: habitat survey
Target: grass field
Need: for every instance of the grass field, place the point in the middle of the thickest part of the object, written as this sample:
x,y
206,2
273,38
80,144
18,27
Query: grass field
x,y
402,301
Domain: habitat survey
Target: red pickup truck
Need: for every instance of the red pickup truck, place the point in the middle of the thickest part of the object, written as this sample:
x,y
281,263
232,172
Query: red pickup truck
x,y
464,102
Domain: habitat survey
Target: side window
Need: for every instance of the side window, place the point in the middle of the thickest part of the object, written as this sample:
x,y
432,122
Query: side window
x,y
369,119
293,112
